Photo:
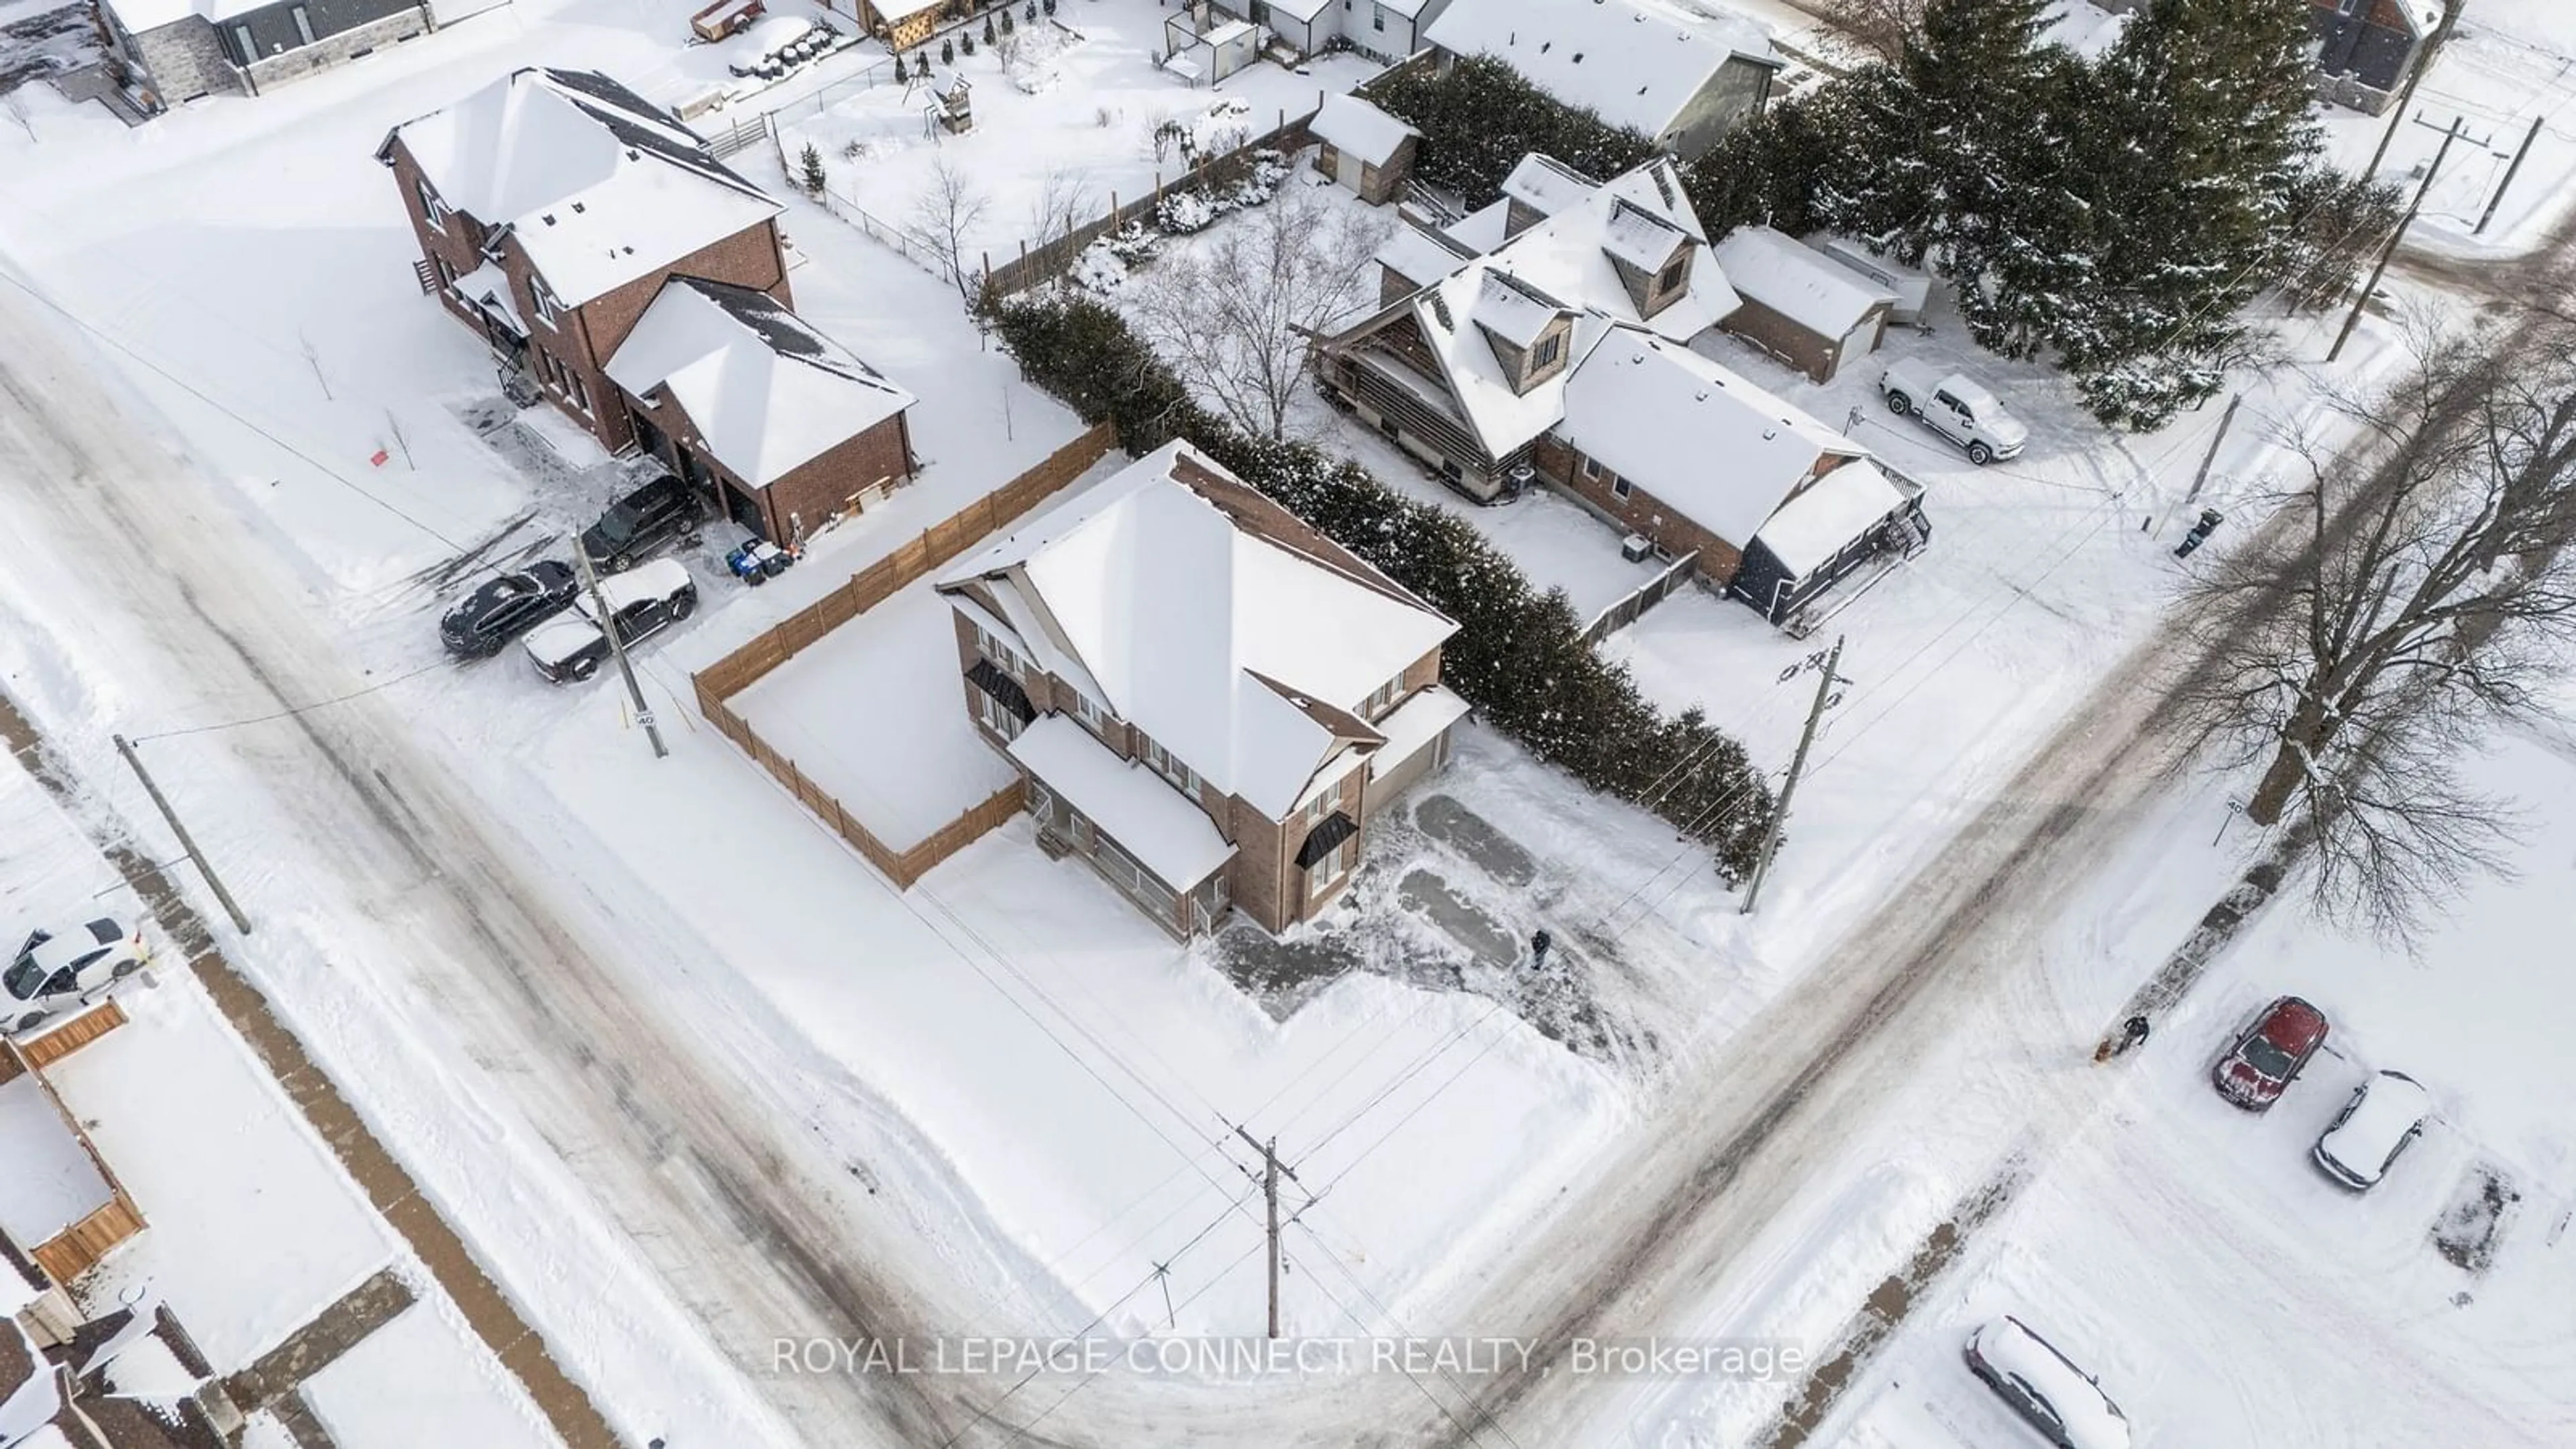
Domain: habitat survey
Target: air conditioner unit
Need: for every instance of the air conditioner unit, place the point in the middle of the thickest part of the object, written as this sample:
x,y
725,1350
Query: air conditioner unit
x,y
1635,548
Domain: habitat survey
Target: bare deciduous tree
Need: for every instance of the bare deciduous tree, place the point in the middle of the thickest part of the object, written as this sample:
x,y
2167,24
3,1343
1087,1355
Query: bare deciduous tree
x,y
943,217
1235,317
1064,200
1881,26
2430,584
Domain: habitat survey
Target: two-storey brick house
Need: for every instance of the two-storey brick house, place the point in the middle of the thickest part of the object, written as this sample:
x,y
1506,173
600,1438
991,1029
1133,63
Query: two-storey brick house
x,y
1208,700
598,246
551,207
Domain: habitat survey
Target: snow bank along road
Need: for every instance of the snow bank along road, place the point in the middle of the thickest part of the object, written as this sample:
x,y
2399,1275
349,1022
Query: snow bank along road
x,y
669,1142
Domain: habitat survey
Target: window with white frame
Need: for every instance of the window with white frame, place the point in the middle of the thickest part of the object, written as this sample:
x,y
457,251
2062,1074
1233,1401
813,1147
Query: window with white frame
x,y
1168,765
1381,697
1620,487
1000,653
997,716
1090,711
1331,866
1320,808
431,208
548,309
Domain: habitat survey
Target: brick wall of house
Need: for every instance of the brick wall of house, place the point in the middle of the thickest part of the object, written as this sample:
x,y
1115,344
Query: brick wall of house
x,y
808,494
1640,512
1784,339
458,243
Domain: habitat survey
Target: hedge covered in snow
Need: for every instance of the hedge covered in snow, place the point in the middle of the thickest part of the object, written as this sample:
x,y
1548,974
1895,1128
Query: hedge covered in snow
x,y
1481,118
1519,654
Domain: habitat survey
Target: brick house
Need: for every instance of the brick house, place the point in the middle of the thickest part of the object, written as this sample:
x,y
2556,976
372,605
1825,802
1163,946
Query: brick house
x,y
1684,78
782,425
552,207
1771,506
1464,369
1800,305
1208,700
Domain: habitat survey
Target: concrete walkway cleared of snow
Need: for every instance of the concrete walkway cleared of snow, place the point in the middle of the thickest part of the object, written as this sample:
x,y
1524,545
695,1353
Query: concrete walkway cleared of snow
x,y
388,1187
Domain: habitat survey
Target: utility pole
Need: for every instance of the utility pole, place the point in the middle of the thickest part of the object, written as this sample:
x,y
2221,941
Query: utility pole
x,y
2520,155
608,626
1797,767
187,842
2406,93
1270,1189
2388,253
2234,401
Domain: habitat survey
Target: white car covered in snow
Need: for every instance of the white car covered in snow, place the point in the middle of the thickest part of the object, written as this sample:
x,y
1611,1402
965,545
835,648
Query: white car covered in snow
x,y
2385,1114
2045,1387
1956,408
642,602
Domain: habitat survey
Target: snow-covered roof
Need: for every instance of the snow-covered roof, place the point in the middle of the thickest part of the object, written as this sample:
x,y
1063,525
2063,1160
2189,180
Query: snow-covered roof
x,y
1125,800
1801,284
1547,185
599,185
1562,263
1300,10
1512,309
767,391
1833,511
1229,647
1414,725
1568,255
1420,255
1696,435
51,1183
1637,63
1359,129
488,287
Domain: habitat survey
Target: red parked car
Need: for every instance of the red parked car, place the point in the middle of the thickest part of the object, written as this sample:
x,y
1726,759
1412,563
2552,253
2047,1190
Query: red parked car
x,y
2271,1054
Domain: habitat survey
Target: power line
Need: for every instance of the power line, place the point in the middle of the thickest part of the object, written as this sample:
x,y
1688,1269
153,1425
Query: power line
x,y
295,710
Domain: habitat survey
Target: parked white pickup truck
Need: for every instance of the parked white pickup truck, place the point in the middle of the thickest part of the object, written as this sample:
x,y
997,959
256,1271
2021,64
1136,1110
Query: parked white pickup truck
x,y
1957,409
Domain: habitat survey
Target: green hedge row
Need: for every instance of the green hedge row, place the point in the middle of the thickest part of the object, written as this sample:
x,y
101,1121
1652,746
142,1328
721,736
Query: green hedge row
x,y
1519,654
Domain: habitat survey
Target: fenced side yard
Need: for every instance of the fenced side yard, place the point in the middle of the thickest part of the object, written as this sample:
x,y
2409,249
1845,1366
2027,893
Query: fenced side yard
x,y
718,683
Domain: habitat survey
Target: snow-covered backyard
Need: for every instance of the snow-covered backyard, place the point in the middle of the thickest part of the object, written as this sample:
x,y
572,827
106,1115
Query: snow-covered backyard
x,y
1070,113
863,715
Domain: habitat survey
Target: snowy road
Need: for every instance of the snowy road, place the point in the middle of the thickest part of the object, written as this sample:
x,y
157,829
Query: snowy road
x,y
673,1138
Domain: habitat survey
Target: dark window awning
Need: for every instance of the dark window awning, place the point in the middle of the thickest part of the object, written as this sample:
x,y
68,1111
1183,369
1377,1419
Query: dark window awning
x,y
992,681
1321,840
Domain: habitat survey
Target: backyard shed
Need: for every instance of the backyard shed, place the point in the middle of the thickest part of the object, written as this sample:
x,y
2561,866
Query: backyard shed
x,y
1363,148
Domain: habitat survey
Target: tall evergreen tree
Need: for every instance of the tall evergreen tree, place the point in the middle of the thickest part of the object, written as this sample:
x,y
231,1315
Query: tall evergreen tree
x,y
2198,143
1953,151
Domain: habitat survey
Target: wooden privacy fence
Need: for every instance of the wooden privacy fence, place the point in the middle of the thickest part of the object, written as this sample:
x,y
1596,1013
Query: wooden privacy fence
x,y
1049,259
1645,596
718,683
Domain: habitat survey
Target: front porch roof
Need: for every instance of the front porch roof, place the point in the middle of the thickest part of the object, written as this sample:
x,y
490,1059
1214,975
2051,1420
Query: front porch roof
x,y
1124,801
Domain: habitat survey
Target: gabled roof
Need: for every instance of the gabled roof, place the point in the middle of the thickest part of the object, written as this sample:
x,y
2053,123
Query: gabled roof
x,y
1237,649
1834,512
1451,316
599,185
1694,434
1801,284
1359,129
767,392
1635,62
1568,255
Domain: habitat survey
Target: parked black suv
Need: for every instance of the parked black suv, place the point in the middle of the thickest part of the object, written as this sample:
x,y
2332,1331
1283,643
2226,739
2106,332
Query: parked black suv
x,y
639,523
506,608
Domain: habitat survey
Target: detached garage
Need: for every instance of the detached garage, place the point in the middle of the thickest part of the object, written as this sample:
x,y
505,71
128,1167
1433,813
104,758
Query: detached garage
x,y
1799,305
